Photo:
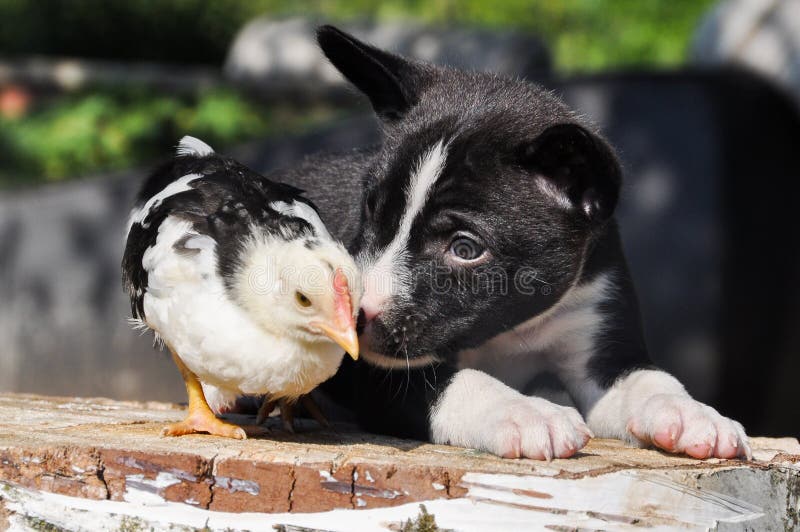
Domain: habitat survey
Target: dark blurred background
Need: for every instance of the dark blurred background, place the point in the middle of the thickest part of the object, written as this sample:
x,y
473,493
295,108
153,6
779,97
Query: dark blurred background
x,y
700,97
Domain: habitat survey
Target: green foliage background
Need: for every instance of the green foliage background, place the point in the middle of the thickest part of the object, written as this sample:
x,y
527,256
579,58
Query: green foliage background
x,y
114,129
583,34
110,128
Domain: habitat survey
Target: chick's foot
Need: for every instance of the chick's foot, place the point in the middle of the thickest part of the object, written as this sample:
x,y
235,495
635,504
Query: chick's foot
x,y
205,422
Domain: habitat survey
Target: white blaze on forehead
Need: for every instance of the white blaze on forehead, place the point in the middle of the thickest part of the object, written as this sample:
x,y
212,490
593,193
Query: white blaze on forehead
x,y
139,214
386,275
193,146
298,209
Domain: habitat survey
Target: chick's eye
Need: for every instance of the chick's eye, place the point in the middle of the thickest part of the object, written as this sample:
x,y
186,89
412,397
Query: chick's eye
x,y
465,249
302,300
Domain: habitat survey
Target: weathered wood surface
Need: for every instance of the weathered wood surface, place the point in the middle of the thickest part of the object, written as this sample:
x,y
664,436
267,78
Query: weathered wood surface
x,y
79,462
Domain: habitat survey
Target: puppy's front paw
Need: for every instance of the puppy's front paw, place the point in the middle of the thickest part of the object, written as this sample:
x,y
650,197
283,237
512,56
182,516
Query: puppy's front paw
x,y
679,424
480,412
530,427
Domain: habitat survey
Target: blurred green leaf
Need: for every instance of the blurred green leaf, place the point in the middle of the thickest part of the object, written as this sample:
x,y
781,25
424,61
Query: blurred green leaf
x,y
107,129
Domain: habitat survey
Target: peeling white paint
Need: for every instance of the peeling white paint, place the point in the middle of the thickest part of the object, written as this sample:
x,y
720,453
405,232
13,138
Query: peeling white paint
x,y
133,463
237,484
622,496
369,477
139,489
330,483
437,486
74,513
619,501
378,494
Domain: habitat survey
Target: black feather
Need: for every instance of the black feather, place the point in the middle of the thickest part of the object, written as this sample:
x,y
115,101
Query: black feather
x,y
225,203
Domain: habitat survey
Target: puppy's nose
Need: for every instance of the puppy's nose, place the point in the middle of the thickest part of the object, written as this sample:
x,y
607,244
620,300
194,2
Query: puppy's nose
x,y
370,312
374,297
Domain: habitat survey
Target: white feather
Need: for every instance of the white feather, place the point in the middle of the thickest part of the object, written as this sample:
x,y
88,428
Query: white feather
x,y
138,215
298,209
194,146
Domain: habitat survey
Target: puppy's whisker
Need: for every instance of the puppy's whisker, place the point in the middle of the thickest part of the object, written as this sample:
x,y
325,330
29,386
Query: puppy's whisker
x,y
408,374
427,382
521,338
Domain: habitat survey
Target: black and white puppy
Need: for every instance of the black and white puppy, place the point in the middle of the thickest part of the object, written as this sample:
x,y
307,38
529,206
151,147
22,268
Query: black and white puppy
x,y
489,249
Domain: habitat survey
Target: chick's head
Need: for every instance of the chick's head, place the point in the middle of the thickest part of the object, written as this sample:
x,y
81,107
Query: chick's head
x,y
308,289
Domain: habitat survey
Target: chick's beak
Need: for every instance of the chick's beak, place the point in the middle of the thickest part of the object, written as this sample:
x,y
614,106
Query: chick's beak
x,y
342,330
347,339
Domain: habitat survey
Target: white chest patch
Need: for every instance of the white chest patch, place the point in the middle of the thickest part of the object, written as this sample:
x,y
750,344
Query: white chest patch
x,y
560,340
386,275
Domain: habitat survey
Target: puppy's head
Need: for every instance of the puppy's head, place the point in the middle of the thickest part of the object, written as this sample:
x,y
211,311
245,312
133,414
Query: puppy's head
x,y
479,208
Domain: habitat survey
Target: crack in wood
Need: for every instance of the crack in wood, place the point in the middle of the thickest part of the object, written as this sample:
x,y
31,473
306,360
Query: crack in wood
x,y
212,480
290,498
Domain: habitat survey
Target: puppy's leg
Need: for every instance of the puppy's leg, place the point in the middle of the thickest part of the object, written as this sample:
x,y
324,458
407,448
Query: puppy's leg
x,y
467,408
478,411
651,407
620,393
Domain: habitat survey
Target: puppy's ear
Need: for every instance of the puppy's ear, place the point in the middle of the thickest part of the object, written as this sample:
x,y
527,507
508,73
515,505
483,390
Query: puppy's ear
x,y
390,82
576,167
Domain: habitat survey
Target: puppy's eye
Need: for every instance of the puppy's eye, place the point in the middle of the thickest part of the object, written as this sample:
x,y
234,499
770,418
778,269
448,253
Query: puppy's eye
x,y
465,249
302,300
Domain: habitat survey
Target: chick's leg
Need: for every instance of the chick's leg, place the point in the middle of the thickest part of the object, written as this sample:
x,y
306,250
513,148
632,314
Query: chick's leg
x,y
287,414
200,417
314,411
265,410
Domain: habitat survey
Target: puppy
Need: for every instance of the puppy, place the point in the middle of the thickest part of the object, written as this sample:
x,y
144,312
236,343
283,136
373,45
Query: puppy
x,y
489,248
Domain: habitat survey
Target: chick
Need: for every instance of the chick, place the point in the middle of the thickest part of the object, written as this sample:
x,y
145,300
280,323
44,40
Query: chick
x,y
239,278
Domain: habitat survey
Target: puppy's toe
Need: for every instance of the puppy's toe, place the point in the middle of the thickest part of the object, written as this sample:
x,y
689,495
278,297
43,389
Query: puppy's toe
x,y
659,423
551,431
508,440
536,439
568,432
731,439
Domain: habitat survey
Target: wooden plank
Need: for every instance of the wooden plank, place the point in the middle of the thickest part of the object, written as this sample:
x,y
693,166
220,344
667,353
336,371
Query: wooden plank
x,y
67,457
